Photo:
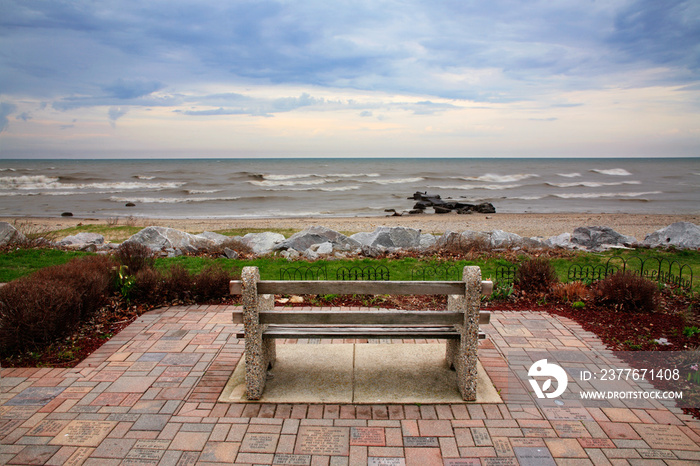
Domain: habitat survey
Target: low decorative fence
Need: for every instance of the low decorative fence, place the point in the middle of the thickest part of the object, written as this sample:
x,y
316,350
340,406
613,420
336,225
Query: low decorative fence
x,y
380,272
660,270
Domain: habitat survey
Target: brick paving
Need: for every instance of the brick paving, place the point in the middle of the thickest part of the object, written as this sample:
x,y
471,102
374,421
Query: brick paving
x,y
149,396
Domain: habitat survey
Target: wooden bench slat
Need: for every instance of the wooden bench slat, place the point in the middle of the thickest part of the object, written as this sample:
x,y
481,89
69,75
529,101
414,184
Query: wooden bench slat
x,y
359,287
299,332
378,317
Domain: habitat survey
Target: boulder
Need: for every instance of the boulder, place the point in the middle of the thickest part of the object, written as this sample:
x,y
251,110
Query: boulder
x,y
230,253
262,243
494,239
9,234
684,235
390,237
217,238
316,235
82,239
159,238
559,241
427,241
323,248
599,237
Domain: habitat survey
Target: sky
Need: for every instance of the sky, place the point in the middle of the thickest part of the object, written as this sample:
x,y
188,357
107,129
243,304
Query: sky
x,y
401,78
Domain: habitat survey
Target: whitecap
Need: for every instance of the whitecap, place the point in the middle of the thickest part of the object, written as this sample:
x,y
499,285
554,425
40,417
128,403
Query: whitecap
x,y
270,183
397,181
602,195
591,184
612,172
286,177
468,187
144,177
493,178
170,200
569,175
29,182
202,191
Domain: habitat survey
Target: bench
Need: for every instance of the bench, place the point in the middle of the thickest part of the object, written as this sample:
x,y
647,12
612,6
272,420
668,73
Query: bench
x,y
262,324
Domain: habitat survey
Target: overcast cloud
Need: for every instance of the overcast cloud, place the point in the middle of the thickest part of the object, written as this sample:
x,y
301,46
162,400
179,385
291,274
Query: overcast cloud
x,y
512,78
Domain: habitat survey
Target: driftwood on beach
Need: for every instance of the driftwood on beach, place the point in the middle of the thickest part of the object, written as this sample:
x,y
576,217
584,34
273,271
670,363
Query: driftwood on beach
x,y
444,206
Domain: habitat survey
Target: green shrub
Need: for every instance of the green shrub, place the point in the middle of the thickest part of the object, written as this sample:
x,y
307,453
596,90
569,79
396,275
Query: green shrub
x,y
536,276
627,292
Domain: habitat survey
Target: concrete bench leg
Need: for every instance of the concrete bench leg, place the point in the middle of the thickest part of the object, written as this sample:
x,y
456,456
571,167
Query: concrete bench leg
x,y
462,354
259,352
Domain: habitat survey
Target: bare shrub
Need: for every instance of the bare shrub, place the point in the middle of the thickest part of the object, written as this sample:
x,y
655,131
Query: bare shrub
x,y
468,246
627,292
149,287
178,283
234,244
35,235
90,278
34,312
536,276
570,292
135,256
212,283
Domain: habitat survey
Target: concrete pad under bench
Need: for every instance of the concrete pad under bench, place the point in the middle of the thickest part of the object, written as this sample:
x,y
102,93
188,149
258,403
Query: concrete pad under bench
x,y
360,374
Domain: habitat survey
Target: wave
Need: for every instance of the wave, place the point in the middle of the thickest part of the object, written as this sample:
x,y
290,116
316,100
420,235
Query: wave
x,y
38,182
170,200
270,183
317,188
7,170
612,172
397,180
28,182
590,184
467,187
569,175
202,191
603,195
144,177
493,178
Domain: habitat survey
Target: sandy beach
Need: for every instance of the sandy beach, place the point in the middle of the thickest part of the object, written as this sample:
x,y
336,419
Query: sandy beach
x,y
524,224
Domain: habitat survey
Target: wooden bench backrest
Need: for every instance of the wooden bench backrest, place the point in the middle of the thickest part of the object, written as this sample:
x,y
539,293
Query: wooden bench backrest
x,y
323,287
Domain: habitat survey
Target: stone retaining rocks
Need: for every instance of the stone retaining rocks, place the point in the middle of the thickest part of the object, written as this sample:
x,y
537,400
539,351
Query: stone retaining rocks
x,y
163,238
390,238
316,235
262,243
684,235
317,241
597,238
9,234
82,239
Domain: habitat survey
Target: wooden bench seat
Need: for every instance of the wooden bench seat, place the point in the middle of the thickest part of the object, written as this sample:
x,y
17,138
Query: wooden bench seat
x,y
263,324
371,324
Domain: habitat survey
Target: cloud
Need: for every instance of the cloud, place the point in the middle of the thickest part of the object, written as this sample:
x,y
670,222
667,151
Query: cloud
x,y
124,89
116,113
24,116
6,109
664,33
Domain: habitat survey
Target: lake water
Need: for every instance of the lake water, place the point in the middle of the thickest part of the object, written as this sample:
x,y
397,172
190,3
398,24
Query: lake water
x,y
249,188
